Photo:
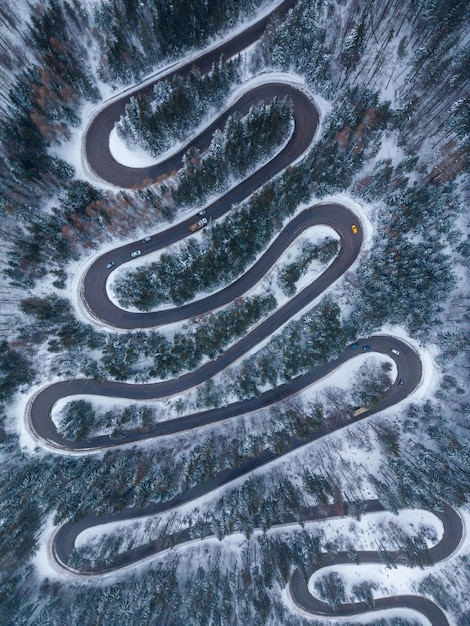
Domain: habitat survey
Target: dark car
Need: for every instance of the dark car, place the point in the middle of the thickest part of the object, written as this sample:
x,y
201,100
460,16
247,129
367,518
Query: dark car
x,y
354,345
110,264
401,382
365,348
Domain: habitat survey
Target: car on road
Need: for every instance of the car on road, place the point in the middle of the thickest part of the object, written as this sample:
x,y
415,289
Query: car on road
x,y
202,212
145,239
366,348
197,225
359,410
110,264
136,253
395,351
354,229
354,345
401,382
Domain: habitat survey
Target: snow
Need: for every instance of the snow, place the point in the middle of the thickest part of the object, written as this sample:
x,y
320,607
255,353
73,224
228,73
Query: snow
x,y
100,404
341,378
71,151
77,272
136,156
314,234
429,381
43,560
365,618
396,581
390,150
122,153
399,581
365,532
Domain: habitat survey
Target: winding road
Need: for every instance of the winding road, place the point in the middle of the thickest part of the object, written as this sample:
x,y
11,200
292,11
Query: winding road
x,y
298,587
306,123
94,294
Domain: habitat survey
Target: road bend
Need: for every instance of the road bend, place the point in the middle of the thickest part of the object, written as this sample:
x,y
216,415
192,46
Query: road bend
x,y
338,217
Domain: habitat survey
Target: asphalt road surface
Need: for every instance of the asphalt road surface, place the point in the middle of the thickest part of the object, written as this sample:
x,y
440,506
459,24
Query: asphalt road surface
x,y
94,293
98,155
94,283
453,532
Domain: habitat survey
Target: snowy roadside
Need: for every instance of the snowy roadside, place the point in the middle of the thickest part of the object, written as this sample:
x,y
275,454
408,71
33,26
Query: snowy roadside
x,y
138,157
73,151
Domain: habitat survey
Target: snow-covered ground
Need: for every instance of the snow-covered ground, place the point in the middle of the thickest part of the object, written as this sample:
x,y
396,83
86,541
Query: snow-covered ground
x,y
136,156
315,235
365,531
363,534
73,150
79,269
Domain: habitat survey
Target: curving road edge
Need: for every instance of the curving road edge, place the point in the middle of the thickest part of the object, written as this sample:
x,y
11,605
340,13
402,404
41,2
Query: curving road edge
x,y
306,119
449,543
298,584
338,217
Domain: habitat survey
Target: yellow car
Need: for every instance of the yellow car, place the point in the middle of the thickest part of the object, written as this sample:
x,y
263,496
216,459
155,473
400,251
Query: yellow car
x,y
354,229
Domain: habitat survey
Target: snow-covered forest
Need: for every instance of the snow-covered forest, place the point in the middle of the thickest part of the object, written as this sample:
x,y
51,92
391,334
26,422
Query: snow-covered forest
x,y
391,83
